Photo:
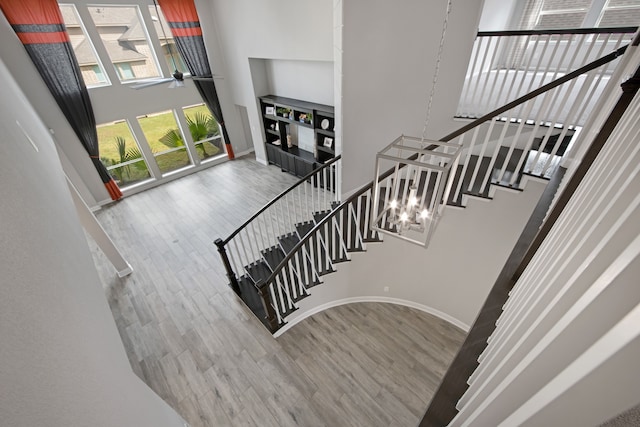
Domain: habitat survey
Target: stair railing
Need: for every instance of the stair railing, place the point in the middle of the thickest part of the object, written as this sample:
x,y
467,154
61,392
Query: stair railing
x,y
528,135
507,64
353,214
318,191
349,221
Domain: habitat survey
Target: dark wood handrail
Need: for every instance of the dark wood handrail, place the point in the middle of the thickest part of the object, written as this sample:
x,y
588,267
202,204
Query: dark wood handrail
x,y
304,239
607,30
279,196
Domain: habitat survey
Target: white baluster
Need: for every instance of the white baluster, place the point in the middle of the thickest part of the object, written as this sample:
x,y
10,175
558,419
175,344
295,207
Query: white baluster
x,y
469,78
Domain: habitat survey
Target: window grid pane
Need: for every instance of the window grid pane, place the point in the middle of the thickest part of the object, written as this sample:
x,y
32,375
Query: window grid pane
x,y
125,39
204,131
120,153
165,140
552,21
90,66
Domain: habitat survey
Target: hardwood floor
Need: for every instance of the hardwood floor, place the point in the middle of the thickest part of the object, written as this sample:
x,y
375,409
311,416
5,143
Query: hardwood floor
x,y
191,339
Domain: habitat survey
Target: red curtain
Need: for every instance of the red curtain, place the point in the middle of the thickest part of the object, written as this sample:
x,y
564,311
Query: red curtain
x,y
39,26
185,27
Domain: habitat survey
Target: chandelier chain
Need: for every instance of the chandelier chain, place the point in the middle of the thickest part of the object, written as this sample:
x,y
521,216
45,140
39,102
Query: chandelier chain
x,y
437,70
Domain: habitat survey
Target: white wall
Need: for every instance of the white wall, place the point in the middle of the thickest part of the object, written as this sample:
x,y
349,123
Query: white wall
x,y
290,33
306,80
19,64
450,278
62,360
498,14
389,58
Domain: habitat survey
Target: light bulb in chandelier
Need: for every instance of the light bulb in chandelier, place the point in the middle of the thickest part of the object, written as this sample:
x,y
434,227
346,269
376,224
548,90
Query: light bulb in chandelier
x,y
424,214
412,200
393,204
404,217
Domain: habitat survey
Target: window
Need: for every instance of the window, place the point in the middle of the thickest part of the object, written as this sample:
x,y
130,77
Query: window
x,y
567,14
204,131
126,41
138,45
562,14
99,74
125,72
90,65
165,140
120,153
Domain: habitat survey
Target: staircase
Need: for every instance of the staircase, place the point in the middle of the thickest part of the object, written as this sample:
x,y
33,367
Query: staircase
x,y
275,258
272,283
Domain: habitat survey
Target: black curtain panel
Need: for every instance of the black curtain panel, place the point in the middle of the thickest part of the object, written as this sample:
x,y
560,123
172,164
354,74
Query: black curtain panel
x,y
39,26
185,27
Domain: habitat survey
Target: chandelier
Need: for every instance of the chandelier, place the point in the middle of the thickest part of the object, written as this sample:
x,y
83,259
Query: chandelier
x,y
412,183
413,177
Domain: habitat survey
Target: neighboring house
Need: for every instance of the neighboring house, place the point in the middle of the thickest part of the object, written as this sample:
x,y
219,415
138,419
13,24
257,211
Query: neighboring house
x,y
372,60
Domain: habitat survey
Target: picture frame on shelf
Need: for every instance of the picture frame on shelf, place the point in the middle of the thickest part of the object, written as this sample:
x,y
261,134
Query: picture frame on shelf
x,y
271,111
328,142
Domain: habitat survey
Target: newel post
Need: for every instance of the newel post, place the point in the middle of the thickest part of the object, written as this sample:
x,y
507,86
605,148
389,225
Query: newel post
x,y
267,303
233,280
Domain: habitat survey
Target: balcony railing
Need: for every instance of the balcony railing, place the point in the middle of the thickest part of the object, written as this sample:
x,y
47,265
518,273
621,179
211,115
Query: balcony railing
x,y
508,64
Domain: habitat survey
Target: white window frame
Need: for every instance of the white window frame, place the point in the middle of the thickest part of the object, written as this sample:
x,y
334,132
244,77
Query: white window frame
x,y
89,40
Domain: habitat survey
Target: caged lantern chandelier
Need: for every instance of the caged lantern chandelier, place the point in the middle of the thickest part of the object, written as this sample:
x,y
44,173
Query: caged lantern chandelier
x,y
412,185
413,178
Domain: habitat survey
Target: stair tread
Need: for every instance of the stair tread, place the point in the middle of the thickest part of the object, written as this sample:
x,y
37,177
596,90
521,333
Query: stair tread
x,y
318,216
476,189
258,271
288,242
551,142
303,228
273,256
476,194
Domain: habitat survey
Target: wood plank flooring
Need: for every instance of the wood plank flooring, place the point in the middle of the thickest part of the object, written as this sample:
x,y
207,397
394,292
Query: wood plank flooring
x,y
191,339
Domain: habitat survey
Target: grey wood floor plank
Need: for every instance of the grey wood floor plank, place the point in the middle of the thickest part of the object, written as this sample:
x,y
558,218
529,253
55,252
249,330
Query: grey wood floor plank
x,y
365,409
255,414
397,411
333,412
223,389
192,340
203,357
194,377
414,402
176,380
297,414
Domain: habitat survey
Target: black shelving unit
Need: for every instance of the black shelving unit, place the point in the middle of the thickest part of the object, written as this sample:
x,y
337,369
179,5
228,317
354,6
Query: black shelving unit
x,y
278,114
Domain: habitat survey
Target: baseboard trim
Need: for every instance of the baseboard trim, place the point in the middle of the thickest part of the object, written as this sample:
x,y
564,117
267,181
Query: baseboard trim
x,y
244,153
388,300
